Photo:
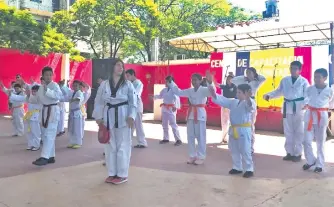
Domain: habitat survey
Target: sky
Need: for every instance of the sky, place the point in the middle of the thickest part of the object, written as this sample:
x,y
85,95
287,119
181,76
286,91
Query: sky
x,y
295,11
253,5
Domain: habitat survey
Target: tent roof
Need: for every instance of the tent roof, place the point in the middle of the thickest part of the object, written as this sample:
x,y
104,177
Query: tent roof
x,y
262,35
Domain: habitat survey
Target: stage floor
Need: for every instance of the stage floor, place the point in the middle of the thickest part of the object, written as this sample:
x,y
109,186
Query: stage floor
x,y
159,176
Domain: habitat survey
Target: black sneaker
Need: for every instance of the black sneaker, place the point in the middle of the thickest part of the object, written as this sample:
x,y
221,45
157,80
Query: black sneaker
x,y
307,166
178,143
248,174
140,146
51,160
41,161
164,141
288,157
296,158
234,172
318,170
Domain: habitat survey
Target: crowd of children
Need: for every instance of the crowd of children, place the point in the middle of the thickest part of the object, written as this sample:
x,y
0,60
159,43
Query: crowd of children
x,y
119,107
45,117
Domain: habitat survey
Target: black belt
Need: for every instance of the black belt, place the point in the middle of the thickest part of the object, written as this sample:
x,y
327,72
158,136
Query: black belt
x,y
294,107
115,106
46,122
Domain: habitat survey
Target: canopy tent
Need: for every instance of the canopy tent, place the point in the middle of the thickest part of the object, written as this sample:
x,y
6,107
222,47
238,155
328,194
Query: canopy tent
x,y
257,36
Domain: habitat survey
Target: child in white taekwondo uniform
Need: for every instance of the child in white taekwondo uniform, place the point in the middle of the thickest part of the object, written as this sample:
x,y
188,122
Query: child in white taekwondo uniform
x,y
138,85
115,107
32,120
196,123
7,92
87,91
62,109
255,81
48,95
293,89
319,100
170,105
17,99
75,121
240,132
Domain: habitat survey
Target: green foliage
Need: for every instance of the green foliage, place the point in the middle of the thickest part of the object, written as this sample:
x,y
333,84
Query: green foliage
x,y
128,28
19,30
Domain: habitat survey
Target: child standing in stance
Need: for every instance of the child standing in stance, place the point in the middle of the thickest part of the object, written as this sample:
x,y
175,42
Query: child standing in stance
x,y
240,132
319,99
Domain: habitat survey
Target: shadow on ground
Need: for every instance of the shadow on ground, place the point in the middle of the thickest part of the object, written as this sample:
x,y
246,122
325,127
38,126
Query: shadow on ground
x,y
15,160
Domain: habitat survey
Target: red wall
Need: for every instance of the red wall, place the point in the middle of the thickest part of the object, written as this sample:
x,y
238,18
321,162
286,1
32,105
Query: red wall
x,y
14,62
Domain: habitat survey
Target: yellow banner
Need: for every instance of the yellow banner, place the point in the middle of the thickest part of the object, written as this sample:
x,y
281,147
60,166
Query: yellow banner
x,y
264,62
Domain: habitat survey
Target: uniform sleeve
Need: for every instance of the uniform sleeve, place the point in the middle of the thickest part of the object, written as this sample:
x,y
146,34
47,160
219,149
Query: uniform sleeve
x,y
179,92
79,95
139,89
331,98
99,102
87,94
261,79
5,90
306,93
222,101
55,93
132,100
238,80
160,95
251,107
278,92
177,102
17,98
66,94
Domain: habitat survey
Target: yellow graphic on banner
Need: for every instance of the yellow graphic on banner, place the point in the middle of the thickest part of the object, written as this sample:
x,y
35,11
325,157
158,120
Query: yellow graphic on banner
x,y
264,62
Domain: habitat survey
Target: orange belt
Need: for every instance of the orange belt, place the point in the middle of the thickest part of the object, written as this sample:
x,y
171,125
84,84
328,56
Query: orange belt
x,y
317,110
194,109
168,106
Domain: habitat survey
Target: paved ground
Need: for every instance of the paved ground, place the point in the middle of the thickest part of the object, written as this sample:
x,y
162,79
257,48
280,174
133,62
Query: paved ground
x,y
159,176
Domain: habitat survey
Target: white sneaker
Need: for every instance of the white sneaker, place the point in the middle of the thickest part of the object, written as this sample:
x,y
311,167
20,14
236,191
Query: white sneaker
x,y
199,162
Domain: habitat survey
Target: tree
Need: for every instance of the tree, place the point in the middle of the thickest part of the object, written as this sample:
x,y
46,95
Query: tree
x,y
19,30
107,22
178,18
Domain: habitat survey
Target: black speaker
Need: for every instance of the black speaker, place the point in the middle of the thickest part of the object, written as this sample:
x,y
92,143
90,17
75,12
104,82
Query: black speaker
x,y
100,69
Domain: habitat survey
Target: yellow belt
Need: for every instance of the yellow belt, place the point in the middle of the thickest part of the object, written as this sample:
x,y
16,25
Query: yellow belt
x,y
28,115
83,111
235,129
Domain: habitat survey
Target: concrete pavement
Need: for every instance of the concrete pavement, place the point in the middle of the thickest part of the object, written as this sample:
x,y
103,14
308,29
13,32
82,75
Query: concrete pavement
x,y
159,176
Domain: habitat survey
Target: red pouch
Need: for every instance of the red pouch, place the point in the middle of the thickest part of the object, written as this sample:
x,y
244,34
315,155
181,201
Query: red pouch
x,y
103,134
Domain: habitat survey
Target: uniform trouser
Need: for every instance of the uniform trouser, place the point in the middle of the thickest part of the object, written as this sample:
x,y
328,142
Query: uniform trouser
x,y
140,129
75,130
61,123
196,131
33,133
294,133
83,126
319,133
254,114
241,150
170,118
118,152
225,121
17,121
48,136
